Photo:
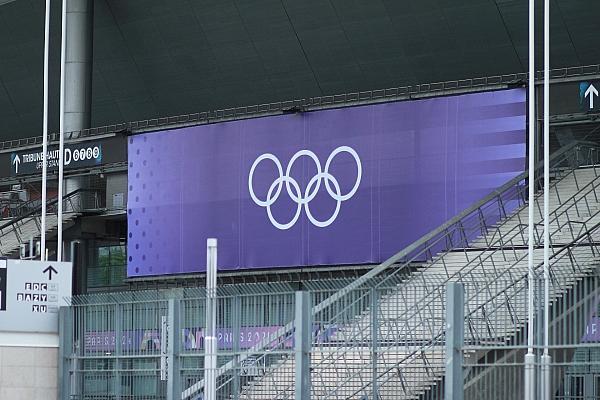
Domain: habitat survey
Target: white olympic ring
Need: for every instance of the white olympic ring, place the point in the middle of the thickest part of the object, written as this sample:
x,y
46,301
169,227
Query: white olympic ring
x,y
293,188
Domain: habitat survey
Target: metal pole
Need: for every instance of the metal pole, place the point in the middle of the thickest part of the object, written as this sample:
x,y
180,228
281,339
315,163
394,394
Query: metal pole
x,y
302,343
173,344
237,322
65,325
61,142
74,244
118,389
530,356
210,340
374,343
546,356
45,132
455,331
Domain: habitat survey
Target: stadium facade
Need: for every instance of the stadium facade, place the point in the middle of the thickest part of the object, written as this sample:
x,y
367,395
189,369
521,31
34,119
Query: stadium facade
x,y
185,119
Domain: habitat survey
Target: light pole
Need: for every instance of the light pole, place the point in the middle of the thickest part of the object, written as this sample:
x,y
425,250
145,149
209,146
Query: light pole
x,y
45,132
545,378
61,145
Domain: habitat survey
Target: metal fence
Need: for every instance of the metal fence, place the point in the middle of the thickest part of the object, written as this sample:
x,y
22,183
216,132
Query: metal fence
x,y
153,347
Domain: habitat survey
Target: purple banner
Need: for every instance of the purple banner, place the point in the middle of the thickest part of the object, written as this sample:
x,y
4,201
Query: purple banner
x,y
343,186
592,331
193,338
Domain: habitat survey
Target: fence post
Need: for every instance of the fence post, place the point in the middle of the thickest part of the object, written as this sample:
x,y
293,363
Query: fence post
x,y
455,331
374,343
65,326
302,344
173,344
118,350
237,323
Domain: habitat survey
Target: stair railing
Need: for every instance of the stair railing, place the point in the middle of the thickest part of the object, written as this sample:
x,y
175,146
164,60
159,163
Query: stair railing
x,y
459,231
496,296
71,201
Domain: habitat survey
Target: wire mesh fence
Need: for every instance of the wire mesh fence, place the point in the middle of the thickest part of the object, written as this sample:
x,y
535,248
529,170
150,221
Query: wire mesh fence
x,y
383,336
373,348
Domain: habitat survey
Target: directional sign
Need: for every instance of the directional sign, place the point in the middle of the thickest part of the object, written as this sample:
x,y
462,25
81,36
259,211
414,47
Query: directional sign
x,y
75,156
588,92
50,270
591,92
16,162
32,292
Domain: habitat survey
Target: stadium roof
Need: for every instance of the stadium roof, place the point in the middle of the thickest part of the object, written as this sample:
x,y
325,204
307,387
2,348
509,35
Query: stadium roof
x,y
159,58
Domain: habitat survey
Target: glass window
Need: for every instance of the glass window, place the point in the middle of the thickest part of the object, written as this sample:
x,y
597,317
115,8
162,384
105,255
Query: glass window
x,y
109,268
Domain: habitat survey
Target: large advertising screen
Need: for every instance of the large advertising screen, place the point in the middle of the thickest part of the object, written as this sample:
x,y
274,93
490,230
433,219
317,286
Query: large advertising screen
x,y
342,186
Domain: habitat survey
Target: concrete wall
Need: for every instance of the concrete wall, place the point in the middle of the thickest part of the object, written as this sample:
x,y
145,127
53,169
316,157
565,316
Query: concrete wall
x,y
28,373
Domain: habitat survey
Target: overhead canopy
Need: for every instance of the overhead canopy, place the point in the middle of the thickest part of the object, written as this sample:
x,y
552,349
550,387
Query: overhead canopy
x,y
158,58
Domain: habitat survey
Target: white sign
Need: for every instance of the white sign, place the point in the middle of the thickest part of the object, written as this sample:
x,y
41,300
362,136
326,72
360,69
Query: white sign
x,y
34,292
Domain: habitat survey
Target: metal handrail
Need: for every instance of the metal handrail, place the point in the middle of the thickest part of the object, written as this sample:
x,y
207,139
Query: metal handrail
x,y
377,95
486,200
488,285
584,233
14,224
560,156
558,214
591,188
475,262
513,283
50,203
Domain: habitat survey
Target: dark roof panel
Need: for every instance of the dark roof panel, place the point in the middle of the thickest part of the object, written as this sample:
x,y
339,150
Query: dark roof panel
x,y
158,58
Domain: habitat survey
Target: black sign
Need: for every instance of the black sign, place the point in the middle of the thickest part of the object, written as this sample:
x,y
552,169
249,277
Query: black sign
x,y
2,289
75,156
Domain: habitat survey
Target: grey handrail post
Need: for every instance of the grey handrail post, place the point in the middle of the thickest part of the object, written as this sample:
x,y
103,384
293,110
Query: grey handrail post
x,y
302,344
237,322
118,350
455,332
64,350
374,343
173,344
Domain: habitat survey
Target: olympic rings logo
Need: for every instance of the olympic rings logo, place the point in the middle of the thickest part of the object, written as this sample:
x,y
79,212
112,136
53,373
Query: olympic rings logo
x,y
293,188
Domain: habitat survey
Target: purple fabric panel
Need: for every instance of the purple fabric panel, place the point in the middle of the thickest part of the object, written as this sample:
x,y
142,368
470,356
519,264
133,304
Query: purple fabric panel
x,y
421,163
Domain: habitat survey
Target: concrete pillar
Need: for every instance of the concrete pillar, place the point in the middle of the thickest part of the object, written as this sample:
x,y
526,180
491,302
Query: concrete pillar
x,y
78,65
78,75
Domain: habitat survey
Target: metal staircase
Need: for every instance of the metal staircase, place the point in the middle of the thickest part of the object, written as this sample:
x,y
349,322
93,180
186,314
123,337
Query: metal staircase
x,y
401,345
410,317
21,229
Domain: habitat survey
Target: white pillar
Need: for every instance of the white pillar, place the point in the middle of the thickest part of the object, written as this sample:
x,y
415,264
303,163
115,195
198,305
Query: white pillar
x,y
546,360
530,356
61,145
45,132
210,338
